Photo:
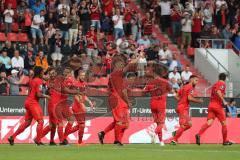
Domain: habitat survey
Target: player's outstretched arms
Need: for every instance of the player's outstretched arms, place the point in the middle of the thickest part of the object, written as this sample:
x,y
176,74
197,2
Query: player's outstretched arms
x,y
193,99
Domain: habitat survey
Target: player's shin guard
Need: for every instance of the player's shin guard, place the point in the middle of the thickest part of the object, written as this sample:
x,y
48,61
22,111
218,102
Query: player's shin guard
x,y
68,129
158,132
39,130
60,133
109,127
52,133
20,129
224,133
80,133
178,133
45,131
203,129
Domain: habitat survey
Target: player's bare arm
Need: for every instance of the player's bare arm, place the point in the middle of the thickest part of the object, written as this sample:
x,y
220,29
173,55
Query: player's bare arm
x,y
221,96
195,100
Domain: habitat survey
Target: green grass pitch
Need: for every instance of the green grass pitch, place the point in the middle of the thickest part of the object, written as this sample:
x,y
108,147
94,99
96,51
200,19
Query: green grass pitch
x,y
127,152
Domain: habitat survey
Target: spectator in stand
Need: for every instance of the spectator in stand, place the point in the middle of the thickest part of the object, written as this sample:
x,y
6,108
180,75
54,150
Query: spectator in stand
x,y
63,6
152,53
222,17
231,109
14,82
176,75
186,74
186,30
165,19
27,21
17,61
63,25
86,61
91,47
95,13
165,55
154,40
144,41
12,2
175,85
128,14
51,19
148,24
208,15
84,13
29,61
226,32
175,63
142,63
8,18
3,83
196,27
73,31
57,55
237,40
20,11
176,16
215,35
118,24
9,48
5,62
219,4
49,34
38,21
41,60
38,7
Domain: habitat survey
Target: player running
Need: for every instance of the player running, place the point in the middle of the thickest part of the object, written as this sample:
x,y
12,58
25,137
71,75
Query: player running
x,y
79,108
33,108
184,97
216,109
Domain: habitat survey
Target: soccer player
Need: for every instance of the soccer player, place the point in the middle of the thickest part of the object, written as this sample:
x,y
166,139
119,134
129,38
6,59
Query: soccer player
x,y
33,108
55,94
158,88
216,109
184,97
79,108
118,101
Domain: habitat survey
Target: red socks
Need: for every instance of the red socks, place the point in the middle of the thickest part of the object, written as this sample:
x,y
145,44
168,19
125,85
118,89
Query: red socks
x,y
178,133
203,129
158,131
20,129
119,131
45,131
39,130
68,130
109,127
60,133
80,133
224,133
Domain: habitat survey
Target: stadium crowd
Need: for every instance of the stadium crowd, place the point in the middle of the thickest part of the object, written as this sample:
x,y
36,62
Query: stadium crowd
x,y
96,30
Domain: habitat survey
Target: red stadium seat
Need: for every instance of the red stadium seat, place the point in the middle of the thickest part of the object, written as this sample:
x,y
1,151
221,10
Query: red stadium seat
x,y
15,27
2,26
190,51
22,37
2,37
12,37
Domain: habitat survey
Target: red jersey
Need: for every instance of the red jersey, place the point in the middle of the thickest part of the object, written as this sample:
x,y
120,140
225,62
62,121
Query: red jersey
x,y
108,6
128,15
68,82
116,82
108,62
147,26
183,93
55,88
95,15
219,85
35,86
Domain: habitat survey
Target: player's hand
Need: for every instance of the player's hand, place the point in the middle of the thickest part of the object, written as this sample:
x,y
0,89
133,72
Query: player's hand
x,y
225,103
200,100
47,96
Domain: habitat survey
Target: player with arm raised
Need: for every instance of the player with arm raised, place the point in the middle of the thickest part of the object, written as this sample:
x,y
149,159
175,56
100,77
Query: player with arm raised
x,y
216,109
184,97
33,108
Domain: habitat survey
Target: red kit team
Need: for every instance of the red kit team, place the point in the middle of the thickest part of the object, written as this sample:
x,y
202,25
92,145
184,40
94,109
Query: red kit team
x,y
72,83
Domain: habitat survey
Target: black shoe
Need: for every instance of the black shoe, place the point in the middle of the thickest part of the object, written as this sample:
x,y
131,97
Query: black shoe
x,y
197,137
64,143
228,143
118,143
38,143
52,144
101,136
11,140
174,143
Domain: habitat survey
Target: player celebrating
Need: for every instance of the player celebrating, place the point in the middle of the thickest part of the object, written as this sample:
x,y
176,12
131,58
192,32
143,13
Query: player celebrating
x,y
33,108
184,97
78,107
55,94
215,109
118,101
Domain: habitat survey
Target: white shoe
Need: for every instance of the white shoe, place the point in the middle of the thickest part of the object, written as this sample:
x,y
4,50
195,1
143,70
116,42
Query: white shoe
x,y
162,144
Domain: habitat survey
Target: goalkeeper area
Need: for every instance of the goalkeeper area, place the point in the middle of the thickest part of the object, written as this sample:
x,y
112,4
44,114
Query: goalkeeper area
x,y
126,152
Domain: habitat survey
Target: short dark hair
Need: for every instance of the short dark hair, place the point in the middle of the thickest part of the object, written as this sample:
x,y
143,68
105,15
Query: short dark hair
x,y
222,76
193,76
232,100
37,71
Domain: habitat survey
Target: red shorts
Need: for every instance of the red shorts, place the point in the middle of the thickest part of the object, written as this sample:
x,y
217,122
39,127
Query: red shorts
x,y
63,111
79,112
33,111
158,111
218,112
184,117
